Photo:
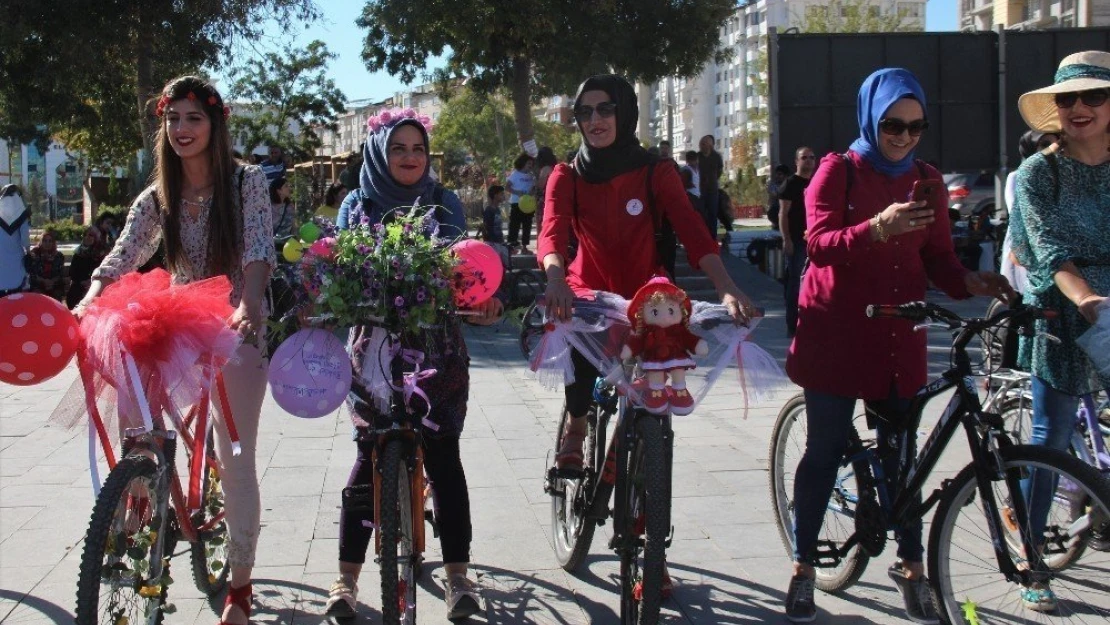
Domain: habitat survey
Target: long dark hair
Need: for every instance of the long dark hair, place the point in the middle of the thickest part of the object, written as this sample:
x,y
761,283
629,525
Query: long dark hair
x,y
224,217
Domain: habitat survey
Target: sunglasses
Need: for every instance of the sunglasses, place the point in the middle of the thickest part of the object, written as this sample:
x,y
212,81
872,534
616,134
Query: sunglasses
x,y
896,127
1093,99
584,112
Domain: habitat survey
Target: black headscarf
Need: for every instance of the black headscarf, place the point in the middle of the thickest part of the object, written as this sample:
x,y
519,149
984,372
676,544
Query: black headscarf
x,y
625,154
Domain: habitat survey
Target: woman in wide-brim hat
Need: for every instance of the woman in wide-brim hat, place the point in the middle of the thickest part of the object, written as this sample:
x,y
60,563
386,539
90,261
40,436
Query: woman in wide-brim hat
x,y
1059,221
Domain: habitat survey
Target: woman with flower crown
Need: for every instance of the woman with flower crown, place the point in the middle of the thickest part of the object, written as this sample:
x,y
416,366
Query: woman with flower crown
x,y
211,217
396,175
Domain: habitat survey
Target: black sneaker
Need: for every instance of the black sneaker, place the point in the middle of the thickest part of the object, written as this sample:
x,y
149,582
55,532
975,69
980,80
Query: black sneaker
x,y
799,600
917,596
1100,538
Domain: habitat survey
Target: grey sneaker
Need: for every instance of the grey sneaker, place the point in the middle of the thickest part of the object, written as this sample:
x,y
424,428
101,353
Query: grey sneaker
x,y
463,598
917,596
800,607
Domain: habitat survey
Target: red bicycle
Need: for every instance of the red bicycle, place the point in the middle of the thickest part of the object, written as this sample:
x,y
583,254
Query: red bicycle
x,y
143,511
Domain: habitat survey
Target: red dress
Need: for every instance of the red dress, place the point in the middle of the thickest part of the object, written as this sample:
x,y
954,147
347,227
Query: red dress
x,y
837,349
664,349
613,223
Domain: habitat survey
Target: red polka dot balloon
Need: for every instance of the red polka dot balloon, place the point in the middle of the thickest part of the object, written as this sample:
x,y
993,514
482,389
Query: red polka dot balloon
x,y
38,337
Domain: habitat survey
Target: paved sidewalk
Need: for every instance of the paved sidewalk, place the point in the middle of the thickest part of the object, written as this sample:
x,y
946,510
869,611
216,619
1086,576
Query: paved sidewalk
x,y
727,561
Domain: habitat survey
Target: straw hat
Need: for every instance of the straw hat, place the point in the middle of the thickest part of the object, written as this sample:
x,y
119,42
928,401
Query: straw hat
x,y
1082,71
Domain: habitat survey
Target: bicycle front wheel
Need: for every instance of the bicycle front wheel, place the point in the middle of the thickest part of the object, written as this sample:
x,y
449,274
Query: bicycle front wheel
x,y
209,552
571,528
963,568
397,556
788,444
122,546
647,518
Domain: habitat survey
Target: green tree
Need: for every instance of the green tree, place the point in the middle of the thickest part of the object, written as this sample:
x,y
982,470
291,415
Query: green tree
x,y
472,130
290,86
543,48
88,71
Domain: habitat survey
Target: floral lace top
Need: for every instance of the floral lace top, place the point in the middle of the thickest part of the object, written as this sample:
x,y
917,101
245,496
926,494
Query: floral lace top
x,y
1058,216
143,233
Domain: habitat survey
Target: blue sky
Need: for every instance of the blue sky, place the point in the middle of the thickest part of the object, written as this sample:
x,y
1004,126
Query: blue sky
x,y
337,29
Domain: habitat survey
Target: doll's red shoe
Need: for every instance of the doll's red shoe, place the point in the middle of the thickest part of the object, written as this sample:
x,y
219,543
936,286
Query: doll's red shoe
x,y
655,401
682,403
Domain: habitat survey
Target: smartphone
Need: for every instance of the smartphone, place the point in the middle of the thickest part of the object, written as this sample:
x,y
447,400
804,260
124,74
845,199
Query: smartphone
x,y
931,191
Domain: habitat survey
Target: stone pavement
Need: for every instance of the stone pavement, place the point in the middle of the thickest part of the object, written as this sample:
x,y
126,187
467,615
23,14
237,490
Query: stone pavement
x,y
727,561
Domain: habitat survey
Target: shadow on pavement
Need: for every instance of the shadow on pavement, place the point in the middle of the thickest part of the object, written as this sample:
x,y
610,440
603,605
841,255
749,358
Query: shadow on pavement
x,y
26,602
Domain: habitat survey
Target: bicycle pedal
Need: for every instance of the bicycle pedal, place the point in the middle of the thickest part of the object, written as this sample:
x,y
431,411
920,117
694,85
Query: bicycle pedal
x,y
826,555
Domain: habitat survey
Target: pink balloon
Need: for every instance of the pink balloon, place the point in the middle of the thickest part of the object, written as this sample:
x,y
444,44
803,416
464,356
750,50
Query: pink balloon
x,y
38,337
478,274
310,374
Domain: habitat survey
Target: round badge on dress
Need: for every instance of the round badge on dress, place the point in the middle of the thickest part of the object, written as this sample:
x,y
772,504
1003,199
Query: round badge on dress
x,y
634,207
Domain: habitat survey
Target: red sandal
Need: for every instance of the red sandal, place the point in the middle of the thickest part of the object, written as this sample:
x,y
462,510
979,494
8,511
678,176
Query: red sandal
x,y
570,458
240,597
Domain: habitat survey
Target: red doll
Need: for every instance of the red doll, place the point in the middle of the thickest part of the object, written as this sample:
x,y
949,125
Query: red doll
x,y
659,314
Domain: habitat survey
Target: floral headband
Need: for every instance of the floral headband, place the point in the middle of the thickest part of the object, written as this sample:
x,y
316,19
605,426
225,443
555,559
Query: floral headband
x,y
391,117
212,101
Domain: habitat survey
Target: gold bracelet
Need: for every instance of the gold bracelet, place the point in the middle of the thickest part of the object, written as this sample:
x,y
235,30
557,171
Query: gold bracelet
x,y
883,236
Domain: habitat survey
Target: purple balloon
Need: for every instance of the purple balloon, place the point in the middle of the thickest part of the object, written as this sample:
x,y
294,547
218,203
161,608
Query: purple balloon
x,y
310,374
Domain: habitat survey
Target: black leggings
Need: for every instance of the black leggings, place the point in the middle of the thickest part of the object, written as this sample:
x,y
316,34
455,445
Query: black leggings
x,y
452,502
520,226
580,393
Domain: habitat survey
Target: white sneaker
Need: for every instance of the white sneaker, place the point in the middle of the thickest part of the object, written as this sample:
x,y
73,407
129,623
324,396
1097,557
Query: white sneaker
x,y
463,598
343,598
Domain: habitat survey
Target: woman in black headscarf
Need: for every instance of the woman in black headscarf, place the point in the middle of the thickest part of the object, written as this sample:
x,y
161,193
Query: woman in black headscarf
x,y
614,198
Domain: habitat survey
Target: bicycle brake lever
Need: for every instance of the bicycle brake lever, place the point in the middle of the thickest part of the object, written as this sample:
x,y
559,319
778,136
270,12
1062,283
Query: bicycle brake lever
x,y
1050,337
930,326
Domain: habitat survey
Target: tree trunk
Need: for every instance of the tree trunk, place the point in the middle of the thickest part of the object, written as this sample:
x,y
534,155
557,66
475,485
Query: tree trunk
x,y
522,103
145,88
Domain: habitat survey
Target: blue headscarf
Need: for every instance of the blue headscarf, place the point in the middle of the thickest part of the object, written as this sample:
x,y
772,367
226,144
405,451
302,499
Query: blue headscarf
x,y
377,184
877,94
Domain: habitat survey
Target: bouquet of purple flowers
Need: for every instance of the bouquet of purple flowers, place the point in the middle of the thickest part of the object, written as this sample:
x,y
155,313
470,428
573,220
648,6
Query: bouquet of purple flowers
x,y
397,275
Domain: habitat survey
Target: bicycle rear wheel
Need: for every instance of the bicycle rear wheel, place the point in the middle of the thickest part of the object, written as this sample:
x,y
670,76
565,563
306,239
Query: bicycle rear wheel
x,y
526,288
397,555
963,569
788,441
647,517
122,545
531,329
571,499
209,552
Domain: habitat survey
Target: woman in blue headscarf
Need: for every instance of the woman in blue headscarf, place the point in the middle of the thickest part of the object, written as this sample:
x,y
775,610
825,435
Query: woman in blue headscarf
x,y
868,244
396,174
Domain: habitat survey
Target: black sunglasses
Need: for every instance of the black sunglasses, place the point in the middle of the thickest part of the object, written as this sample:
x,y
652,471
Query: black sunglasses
x,y
1093,99
605,110
896,127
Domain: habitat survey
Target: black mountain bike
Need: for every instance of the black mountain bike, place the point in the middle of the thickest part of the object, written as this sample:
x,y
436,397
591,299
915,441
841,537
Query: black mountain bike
x,y
981,547
636,465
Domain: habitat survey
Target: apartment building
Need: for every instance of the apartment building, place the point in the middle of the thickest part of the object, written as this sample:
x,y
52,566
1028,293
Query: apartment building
x,y
351,133
978,15
724,100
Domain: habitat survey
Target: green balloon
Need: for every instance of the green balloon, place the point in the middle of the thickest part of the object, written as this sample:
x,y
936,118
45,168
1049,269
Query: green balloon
x,y
309,232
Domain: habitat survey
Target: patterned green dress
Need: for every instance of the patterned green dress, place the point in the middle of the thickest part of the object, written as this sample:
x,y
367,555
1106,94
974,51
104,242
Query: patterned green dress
x,y
1055,219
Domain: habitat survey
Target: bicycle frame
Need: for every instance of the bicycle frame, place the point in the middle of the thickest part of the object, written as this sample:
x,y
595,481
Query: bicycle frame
x,y
1015,384
985,438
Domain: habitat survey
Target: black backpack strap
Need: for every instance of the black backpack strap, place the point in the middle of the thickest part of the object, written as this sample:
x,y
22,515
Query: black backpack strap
x,y
1054,165
849,175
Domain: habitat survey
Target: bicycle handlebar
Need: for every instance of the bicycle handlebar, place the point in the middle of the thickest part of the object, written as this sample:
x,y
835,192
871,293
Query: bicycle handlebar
x,y
1018,314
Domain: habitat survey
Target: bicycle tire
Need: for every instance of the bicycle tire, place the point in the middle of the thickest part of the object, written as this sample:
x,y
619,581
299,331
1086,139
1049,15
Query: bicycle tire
x,y
209,553
572,532
993,593
649,478
526,288
102,564
398,588
531,329
830,580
